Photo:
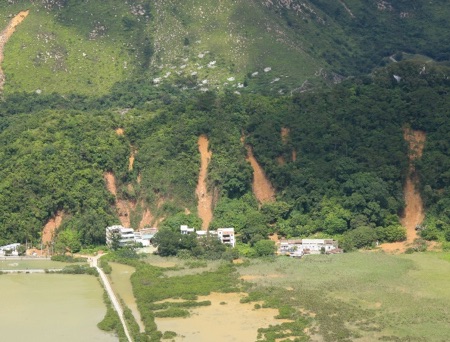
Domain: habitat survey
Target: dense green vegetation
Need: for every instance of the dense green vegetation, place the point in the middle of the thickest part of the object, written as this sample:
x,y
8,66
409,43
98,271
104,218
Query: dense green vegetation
x,y
348,175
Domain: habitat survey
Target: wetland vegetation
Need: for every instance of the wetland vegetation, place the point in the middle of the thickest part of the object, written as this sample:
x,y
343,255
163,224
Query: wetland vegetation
x,y
362,295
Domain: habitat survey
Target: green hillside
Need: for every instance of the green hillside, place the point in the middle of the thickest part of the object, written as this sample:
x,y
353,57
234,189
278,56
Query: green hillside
x,y
278,46
348,177
167,72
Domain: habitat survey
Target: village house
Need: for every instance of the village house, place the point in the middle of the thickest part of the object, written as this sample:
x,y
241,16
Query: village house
x,y
300,247
225,235
127,236
11,249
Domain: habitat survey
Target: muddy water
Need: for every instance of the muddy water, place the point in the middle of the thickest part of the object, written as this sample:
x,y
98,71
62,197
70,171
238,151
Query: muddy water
x,y
51,308
227,322
120,281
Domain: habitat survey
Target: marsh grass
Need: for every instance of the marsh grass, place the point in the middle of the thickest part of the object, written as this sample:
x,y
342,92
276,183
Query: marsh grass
x,y
360,295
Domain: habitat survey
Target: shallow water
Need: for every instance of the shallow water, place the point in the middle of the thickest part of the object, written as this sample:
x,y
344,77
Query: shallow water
x,y
51,307
225,320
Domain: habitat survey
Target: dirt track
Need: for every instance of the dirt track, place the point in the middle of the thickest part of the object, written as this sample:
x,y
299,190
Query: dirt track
x,y
4,37
205,199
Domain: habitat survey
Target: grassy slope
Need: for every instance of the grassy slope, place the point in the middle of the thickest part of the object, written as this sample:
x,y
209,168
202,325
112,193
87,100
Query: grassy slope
x,y
57,55
306,40
241,36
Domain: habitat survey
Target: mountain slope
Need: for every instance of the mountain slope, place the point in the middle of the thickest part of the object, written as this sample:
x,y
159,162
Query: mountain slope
x,y
87,46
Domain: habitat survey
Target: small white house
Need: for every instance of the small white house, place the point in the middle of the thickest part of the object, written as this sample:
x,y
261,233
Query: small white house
x,y
12,248
299,247
186,230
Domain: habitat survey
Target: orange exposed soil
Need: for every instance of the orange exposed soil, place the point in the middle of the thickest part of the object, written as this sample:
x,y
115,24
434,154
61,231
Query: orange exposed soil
x,y
131,159
285,134
205,200
48,232
284,139
413,214
4,37
262,188
122,206
125,208
294,155
147,219
110,181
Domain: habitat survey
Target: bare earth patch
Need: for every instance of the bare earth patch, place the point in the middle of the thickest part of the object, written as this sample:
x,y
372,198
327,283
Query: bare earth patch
x,y
250,277
262,188
4,37
123,208
48,232
205,199
413,214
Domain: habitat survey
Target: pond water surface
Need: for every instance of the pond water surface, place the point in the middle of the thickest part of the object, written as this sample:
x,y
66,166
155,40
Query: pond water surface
x,y
51,307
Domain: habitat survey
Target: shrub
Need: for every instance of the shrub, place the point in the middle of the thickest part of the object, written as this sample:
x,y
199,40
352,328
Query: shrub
x,y
169,334
391,233
265,247
105,266
172,312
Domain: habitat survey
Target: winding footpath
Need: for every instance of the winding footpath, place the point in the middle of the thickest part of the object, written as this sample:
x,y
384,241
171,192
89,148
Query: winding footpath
x,y
93,262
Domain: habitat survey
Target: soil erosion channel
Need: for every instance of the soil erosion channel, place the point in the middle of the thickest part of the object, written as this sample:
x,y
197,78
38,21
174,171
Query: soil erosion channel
x,y
262,188
413,214
205,199
4,37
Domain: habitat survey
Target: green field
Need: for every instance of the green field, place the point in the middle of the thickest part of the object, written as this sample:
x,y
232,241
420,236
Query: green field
x,y
361,296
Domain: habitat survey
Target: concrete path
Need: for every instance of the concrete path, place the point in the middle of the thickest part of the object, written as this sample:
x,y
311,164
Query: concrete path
x,y
93,262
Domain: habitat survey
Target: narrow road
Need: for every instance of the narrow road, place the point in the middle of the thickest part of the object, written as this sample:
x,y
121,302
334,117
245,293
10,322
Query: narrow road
x,y
93,262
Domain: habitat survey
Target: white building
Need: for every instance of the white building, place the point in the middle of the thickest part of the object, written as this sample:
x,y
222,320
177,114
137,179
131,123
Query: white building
x,y
226,236
145,236
11,248
186,230
125,235
308,246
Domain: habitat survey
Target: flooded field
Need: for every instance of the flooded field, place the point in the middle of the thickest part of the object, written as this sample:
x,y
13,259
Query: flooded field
x,y
29,264
120,281
225,320
51,307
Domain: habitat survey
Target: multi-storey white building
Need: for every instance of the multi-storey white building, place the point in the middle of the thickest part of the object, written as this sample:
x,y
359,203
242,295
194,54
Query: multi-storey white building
x,y
225,235
125,236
